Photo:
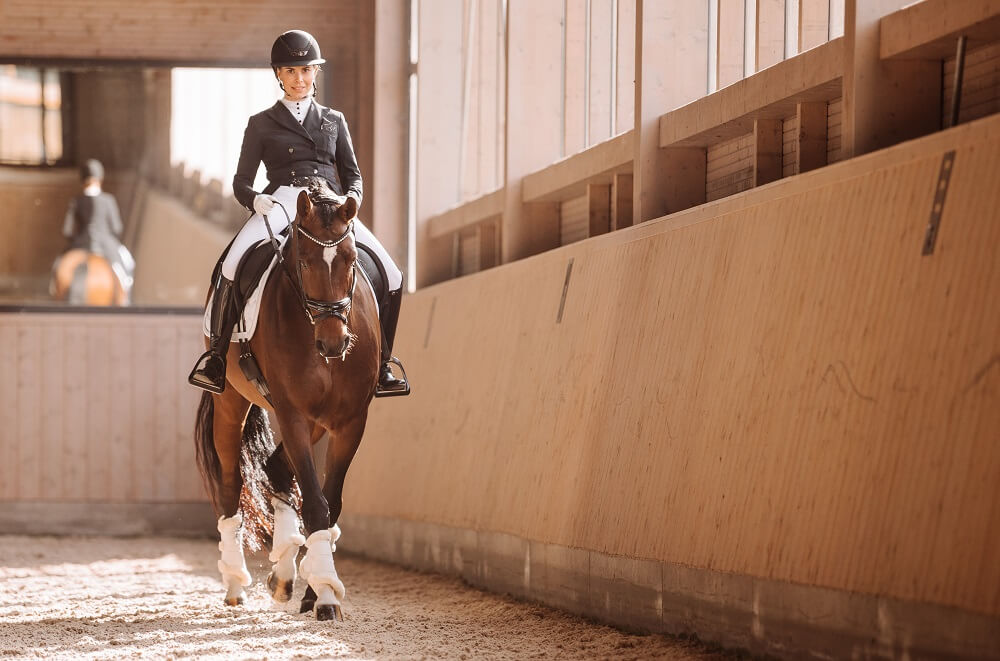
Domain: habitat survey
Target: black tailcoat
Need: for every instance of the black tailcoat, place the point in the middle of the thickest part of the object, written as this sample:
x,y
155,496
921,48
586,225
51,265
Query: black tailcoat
x,y
319,147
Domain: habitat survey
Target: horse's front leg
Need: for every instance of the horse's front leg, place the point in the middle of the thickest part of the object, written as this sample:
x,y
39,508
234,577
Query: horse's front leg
x,y
340,452
317,565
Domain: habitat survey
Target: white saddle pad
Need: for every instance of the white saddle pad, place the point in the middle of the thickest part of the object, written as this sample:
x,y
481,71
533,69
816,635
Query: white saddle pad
x,y
252,309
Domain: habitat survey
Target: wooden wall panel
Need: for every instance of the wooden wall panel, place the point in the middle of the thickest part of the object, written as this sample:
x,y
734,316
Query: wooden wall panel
x,y
96,408
729,167
980,84
777,385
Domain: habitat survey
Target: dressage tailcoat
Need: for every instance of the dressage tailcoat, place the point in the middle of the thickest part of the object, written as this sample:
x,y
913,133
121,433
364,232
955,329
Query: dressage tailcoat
x,y
319,147
93,223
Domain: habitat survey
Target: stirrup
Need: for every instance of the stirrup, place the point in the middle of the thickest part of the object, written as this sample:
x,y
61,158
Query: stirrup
x,y
199,378
398,391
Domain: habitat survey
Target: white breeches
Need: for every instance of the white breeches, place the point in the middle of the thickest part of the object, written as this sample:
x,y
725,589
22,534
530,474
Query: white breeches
x,y
255,231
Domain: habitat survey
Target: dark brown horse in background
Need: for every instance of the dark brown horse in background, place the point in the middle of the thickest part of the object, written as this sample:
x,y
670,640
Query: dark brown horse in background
x,y
317,342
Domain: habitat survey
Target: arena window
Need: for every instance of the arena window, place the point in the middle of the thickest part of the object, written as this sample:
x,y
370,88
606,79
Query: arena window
x,y
31,116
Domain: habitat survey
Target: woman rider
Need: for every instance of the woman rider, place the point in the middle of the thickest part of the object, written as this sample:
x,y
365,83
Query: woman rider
x,y
295,138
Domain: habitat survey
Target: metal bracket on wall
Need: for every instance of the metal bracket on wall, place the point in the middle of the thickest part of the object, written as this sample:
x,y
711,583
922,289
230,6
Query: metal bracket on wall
x,y
562,301
944,177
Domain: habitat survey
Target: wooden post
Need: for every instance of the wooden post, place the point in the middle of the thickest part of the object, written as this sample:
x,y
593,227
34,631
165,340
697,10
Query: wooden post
x,y
671,66
770,33
621,201
814,23
732,33
810,144
599,208
534,122
439,81
767,151
387,202
887,102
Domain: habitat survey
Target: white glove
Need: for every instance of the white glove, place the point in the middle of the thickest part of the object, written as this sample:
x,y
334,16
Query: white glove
x,y
263,204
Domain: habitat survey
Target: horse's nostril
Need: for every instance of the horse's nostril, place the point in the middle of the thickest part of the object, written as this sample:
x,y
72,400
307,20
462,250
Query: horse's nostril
x,y
321,347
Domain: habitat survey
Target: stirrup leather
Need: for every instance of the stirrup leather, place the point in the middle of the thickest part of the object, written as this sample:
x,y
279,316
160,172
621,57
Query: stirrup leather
x,y
403,385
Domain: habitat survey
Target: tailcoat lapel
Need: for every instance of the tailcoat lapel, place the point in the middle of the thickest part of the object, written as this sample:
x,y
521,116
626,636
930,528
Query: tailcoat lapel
x,y
280,114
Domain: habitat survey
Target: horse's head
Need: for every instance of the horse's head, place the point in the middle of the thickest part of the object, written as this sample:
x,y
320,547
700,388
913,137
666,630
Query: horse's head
x,y
325,257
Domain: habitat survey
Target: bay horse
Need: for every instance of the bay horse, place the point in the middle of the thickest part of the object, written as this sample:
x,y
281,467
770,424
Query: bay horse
x,y
317,342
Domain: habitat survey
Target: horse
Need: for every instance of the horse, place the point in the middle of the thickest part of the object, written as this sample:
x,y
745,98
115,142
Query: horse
x,y
317,342
80,277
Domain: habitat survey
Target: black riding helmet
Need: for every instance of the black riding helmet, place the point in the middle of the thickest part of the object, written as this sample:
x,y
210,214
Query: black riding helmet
x,y
91,169
295,48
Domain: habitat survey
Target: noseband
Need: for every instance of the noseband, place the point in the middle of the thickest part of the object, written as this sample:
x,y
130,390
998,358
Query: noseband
x,y
315,309
319,310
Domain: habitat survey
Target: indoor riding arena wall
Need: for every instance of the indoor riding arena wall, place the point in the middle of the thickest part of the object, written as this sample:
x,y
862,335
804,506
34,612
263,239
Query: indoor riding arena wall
x,y
771,421
96,421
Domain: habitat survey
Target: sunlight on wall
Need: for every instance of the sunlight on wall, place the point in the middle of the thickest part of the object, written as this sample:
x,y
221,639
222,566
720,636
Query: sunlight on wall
x,y
210,108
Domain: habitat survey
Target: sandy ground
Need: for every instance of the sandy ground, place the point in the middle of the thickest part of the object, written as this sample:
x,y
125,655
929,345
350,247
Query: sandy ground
x,y
161,598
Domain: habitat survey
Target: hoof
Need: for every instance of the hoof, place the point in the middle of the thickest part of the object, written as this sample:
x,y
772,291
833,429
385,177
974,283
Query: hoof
x,y
281,591
326,612
307,605
234,601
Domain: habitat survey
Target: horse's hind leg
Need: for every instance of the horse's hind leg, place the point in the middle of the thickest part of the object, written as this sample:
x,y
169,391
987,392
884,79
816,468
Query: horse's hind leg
x,y
230,411
286,539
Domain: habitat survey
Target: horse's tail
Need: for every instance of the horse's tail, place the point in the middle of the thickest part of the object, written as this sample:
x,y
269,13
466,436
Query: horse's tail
x,y
257,448
204,449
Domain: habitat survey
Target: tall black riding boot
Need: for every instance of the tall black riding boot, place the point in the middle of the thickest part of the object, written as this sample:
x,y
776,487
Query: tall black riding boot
x,y
388,384
210,370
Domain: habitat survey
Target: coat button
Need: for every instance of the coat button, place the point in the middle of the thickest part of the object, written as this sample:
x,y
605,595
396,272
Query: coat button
x,y
315,171
291,149
293,173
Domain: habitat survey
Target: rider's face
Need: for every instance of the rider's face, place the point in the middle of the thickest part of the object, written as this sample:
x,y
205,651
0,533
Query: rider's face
x,y
298,81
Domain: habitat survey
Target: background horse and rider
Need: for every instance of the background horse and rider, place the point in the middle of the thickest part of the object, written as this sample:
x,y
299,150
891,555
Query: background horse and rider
x,y
317,341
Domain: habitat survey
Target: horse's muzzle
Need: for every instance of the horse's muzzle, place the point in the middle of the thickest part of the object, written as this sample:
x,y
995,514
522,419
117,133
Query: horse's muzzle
x,y
328,351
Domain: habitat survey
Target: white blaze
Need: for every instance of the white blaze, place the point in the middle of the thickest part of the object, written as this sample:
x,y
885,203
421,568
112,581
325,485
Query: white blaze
x,y
328,255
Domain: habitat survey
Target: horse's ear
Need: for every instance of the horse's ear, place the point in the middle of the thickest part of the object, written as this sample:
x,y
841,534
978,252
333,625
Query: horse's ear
x,y
349,209
304,204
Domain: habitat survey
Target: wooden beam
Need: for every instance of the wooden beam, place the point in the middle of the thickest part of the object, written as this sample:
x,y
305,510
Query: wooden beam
x,y
927,30
467,214
566,178
771,94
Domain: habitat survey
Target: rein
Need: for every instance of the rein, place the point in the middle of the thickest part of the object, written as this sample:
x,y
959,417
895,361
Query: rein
x,y
315,309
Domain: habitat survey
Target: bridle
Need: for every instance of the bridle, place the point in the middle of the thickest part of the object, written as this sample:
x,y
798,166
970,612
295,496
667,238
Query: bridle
x,y
315,309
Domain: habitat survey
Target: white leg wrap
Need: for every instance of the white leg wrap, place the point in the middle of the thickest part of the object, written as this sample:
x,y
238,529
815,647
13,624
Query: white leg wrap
x,y
232,565
317,567
287,540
